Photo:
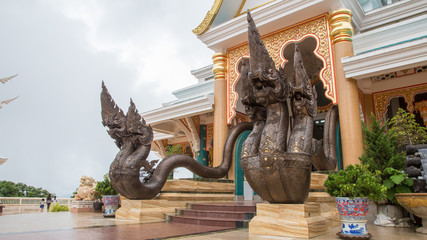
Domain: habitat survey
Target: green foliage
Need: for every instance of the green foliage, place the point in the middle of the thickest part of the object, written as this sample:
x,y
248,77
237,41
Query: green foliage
x,y
380,148
356,181
396,182
11,189
406,130
97,195
174,149
104,187
74,193
58,208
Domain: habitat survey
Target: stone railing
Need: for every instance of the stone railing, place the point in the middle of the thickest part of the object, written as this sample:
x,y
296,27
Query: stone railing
x,y
13,205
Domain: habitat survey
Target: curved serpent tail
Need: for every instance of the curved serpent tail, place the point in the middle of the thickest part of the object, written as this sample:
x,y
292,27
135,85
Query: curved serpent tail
x,y
134,137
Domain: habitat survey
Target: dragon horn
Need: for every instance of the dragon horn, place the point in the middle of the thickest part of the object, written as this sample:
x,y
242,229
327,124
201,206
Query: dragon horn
x,y
260,60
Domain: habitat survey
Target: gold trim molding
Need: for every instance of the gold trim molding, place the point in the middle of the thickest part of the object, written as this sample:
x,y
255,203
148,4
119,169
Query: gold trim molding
x,y
382,99
209,18
275,42
219,68
341,28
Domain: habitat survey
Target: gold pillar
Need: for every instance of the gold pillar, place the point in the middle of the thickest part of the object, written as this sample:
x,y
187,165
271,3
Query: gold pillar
x,y
369,108
220,106
348,100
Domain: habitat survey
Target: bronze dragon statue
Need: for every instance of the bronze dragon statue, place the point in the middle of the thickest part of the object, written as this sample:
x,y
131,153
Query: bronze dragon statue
x,y
278,154
133,137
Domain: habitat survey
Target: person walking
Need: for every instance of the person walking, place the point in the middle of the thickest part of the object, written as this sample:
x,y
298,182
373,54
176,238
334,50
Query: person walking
x,y
42,205
48,201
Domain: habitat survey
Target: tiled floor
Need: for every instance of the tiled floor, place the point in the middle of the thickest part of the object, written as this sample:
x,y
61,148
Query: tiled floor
x,y
65,225
379,233
73,226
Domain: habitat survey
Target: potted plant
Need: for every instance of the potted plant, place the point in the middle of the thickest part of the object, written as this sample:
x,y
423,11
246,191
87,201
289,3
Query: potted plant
x,y
110,199
381,155
352,189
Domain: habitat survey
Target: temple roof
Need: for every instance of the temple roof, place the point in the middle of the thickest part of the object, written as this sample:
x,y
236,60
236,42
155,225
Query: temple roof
x,y
222,11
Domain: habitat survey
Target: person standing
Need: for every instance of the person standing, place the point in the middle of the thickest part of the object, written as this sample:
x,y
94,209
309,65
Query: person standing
x,y
42,205
48,201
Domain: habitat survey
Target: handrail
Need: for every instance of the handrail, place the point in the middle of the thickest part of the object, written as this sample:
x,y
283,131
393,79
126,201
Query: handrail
x,y
31,201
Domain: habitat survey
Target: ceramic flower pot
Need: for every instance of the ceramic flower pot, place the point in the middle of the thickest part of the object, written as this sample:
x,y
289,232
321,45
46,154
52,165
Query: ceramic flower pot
x,y
111,204
353,216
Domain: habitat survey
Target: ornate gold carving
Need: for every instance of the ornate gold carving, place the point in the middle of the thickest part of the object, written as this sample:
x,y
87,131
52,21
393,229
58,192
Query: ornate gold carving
x,y
401,73
275,42
382,99
209,18
185,123
209,135
219,67
196,122
341,28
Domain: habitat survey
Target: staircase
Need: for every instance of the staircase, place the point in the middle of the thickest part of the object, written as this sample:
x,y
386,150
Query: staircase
x,y
232,215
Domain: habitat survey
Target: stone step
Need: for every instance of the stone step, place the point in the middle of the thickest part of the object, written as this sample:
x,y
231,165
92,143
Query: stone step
x,y
234,214
196,197
219,222
216,214
222,207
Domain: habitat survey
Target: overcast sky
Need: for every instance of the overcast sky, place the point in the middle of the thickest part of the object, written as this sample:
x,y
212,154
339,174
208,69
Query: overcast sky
x,y
62,50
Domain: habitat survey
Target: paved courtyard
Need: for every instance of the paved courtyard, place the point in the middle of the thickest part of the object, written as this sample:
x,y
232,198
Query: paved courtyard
x,y
65,225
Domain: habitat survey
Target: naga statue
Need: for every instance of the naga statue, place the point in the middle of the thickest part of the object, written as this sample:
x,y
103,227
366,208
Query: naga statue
x,y
133,137
277,156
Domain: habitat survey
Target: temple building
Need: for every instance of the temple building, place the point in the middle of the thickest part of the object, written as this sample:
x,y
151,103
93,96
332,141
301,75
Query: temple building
x,y
362,55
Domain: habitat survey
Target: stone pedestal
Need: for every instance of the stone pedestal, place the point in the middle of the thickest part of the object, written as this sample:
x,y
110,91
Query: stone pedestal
x,y
153,210
328,207
82,206
175,194
289,220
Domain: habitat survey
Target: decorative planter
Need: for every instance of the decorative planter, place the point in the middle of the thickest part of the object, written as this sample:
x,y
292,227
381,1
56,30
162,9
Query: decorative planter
x,y
111,204
415,203
353,217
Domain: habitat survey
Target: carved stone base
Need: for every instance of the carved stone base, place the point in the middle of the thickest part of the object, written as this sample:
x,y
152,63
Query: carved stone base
x,y
82,206
289,220
144,210
328,207
175,194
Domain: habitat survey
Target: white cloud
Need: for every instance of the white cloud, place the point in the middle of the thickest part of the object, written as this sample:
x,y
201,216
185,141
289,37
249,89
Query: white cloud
x,y
62,50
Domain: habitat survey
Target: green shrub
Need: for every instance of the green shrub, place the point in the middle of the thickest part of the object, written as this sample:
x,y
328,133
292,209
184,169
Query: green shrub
x,y
396,182
356,181
406,130
58,208
380,148
104,187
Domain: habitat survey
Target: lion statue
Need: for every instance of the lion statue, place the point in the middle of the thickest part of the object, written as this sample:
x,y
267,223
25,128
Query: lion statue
x,y
86,190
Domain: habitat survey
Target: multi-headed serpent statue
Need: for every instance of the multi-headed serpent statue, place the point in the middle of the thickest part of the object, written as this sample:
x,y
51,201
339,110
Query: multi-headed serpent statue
x,y
278,154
